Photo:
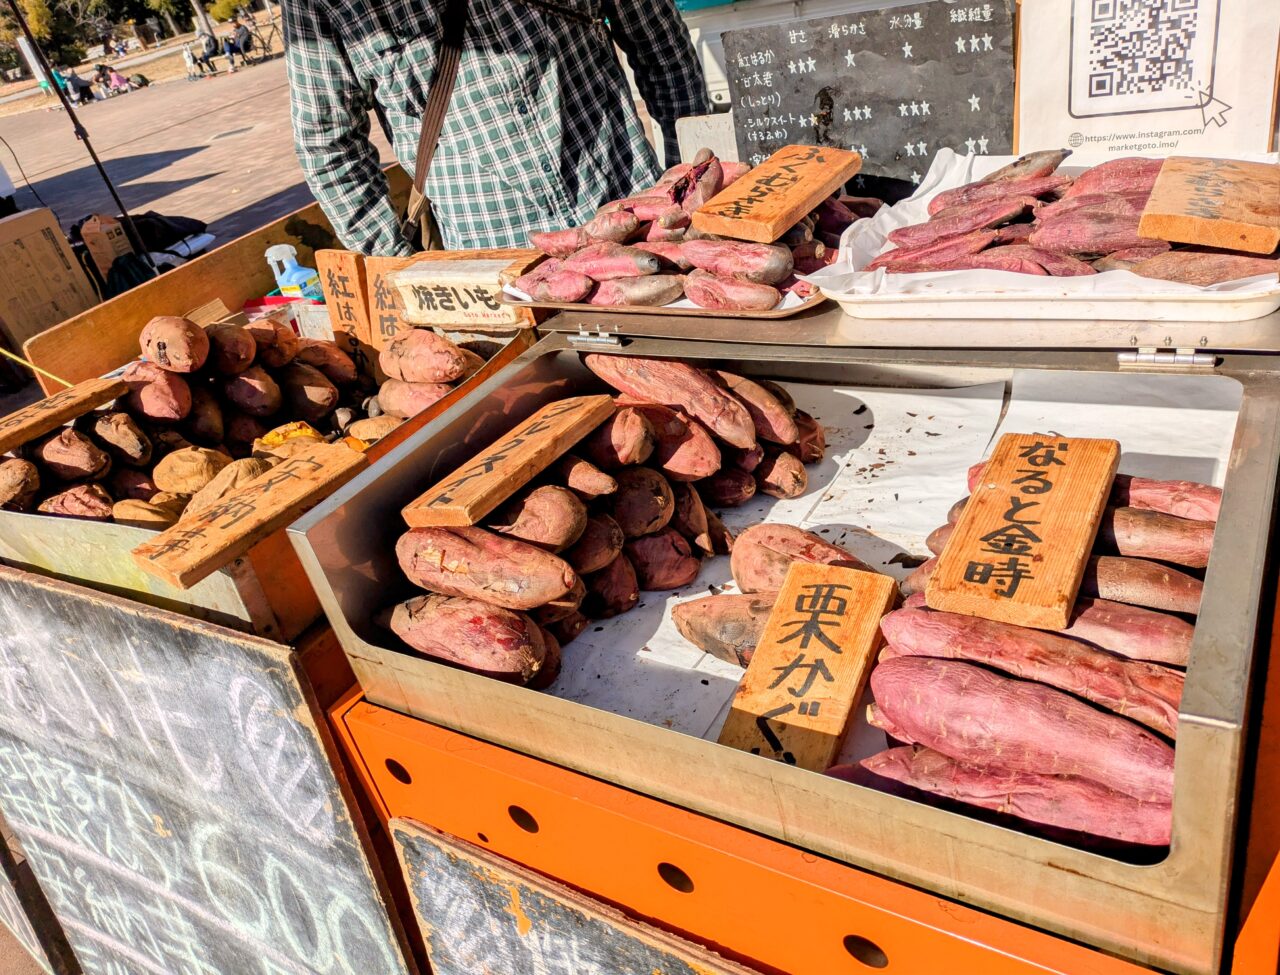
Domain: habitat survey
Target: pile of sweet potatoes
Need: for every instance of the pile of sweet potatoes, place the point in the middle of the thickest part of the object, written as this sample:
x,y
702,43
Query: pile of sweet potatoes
x,y
1031,219
1071,730
421,367
643,250
190,428
630,508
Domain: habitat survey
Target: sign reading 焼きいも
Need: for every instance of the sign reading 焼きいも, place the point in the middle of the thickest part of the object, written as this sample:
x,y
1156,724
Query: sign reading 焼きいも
x,y
810,666
1019,550
454,293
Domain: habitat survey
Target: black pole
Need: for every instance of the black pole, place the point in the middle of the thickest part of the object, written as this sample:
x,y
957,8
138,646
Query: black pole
x,y
130,230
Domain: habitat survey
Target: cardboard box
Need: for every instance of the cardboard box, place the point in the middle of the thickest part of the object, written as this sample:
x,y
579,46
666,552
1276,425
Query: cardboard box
x,y
43,282
106,240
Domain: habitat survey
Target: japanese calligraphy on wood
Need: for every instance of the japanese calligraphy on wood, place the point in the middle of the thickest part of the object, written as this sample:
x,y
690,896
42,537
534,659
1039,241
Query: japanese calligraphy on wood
x,y
481,913
810,666
1019,550
455,293
53,411
342,277
1216,203
195,547
770,200
174,794
895,84
485,481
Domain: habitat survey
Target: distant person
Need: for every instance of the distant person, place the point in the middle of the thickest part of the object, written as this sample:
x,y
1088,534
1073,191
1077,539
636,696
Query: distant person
x,y
119,83
78,89
189,60
207,46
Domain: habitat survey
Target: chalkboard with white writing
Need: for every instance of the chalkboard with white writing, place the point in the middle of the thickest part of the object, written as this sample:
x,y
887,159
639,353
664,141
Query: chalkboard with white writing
x,y
895,84
173,795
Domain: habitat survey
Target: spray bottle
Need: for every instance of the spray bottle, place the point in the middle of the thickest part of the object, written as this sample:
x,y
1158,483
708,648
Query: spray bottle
x,y
294,281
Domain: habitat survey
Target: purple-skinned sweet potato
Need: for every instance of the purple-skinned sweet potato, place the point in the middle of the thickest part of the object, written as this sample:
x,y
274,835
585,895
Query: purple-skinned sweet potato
x,y
308,394
643,502
277,343
811,446
682,446
649,289
253,391
708,290
981,192
127,483
624,439
1131,631
336,365
662,560
1130,174
1080,233
174,344
612,590
728,487
599,544
962,220
204,424
763,553
721,538
549,516
231,349
155,393
690,517
668,252
933,253
744,460
735,259
605,261
568,629
472,634
1155,535
560,243
781,475
1204,268
1032,164
550,282
726,626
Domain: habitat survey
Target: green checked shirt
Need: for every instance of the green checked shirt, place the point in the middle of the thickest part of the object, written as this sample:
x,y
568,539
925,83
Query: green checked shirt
x,y
541,128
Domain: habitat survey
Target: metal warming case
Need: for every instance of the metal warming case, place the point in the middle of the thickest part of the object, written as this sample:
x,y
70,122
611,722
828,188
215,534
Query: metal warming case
x,y
1171,913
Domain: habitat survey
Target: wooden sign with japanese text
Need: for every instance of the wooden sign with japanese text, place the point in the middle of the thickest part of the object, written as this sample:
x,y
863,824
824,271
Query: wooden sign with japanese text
x,y
342,278
1019,550
199,545
1215,203
46,415
770,199
484,482
455,293
810,666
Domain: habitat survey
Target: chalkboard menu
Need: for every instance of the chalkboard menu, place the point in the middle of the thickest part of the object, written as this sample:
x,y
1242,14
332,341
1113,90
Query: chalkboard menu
x,y
896,85
173,796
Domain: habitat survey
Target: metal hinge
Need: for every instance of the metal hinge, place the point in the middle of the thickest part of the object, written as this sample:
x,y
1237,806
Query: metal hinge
x,y
1149,357
600,338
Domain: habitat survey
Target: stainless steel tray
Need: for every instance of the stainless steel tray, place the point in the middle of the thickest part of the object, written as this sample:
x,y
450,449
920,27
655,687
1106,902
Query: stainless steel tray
x,y
1171,914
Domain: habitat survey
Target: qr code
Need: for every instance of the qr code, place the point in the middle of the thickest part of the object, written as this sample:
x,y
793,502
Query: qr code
x,y
1141,55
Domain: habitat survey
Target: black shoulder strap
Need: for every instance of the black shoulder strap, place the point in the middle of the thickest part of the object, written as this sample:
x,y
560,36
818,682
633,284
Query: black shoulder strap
x,y
454,24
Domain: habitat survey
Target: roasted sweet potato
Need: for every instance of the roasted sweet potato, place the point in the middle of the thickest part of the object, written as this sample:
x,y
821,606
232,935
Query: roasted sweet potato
x,y
763,553
1039,163
560,608
677,384
404,399
690,517
253,391
188,470
735,259
721,538
615,226
241,431
728,487
667,252
479,564
625,438
707,290
69,455
174,344
549,281
308,394
472,634
233,476
568,629
204,424
155,393
956,510
918,579
1155,535
1185,499
373,428
1142,583
551,661
779,393
560,243
600,543
583,478
649,289
781,475
82,501
231,349
605,261
744,460
125,482
277,344
682,446
143,514
1131,631
727,626
662,560
937,539
612,590
774,421
643,502
19,482
121,437
419,355
321,354
550,517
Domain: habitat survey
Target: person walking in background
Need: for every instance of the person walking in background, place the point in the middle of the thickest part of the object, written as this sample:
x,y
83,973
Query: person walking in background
x,y
541,128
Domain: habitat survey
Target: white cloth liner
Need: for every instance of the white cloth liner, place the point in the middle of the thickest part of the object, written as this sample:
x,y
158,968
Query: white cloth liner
x,y
789,300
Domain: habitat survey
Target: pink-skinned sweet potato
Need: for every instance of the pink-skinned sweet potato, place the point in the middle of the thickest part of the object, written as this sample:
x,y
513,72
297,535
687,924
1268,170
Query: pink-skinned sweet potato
x,y
549,281
1204,267
763,553
1131,631
733,171
744,460
253,391
550,517
479,564
677,384
1039,163
682,447
707,290
277,343
773,420
551,662
918,578
648,289
726,626
472,634
1083,234
981,192
583,478
560,243
779,393
1145,692
1061,801
204,424
956,510
87,501
337,366
604,261
643,502
934,252
721,538
624,439
668,253
155,393
615,226
231,349
1130,174
662,560
174,344
558,609
419,355
781,475
981,718
599,544
69,455
735,259
937,539
404,399
1142,583
612,590
729,487
1155,535
962,220
690,516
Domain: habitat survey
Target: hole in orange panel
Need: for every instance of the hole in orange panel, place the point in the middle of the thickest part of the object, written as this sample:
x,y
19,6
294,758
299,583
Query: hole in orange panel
x,y
676,878
865,951
482,838
398,771
523,818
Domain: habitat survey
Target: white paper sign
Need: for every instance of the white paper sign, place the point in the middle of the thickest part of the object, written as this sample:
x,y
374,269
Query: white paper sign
x,y
1112,78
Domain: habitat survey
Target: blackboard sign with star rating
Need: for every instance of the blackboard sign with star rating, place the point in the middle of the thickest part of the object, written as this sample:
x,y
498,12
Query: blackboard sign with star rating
x,y
895,84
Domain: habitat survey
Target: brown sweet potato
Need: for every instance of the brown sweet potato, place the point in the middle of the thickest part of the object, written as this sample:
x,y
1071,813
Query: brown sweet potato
x,y
551,661
811,447
19,482
649,289
662,560
373,428
937,539
122,438
231,349
1154,535
600,543
978,717
612,590
419,355
956,510
404,399
682,446
82,501
773,420
763,553
254,391
735,259
583,478
568,629
1142,583
479,564
550,517
779,393
188,470
125,482
560,608
472,634
721,538
307,392
143,514
707,290
174,344
69,455
690,517
1131,631
744,460
204,424
605,261
681,385
728,626
233,476
277,344
643,502
781,475
155,393
1145,692
918,579
729,487
625,438
336,365
241,431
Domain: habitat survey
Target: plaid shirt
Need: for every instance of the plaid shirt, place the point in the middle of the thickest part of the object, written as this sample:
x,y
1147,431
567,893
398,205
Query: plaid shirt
x,y
541,128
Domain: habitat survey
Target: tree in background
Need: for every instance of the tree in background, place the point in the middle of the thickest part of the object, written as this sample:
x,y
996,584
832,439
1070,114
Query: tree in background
x,y
170,10
53,27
